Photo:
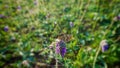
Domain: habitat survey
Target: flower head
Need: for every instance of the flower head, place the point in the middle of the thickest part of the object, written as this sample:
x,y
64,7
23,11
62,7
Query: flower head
x,y
18,7
118,17
60,48
2,16
63,51
35,2
104,45
57,50
6,28
71,24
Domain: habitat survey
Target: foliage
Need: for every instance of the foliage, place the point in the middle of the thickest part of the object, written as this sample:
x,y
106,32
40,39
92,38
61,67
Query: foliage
x,y
28,27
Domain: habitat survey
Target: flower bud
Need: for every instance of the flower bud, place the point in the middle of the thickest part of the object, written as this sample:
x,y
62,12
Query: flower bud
x,y
71,24
104,45
6,28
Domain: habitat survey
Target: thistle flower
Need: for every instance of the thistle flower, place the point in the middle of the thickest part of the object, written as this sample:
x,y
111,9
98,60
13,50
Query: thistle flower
x,y
60,48
6,28
104,45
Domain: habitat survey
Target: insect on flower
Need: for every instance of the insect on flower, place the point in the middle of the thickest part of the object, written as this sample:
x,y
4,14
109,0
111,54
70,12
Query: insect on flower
x,y
104,45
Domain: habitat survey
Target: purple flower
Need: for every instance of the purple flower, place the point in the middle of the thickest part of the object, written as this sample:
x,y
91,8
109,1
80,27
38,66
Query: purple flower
x,y
35,2
2,16
104,45
61,48
105,48
57,48
63,51
71,24
118,17
6,28
19,7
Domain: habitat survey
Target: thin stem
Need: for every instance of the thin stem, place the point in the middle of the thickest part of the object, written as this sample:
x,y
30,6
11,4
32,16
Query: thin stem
x,y
100,46
56,63
105,65
96,56
56,66
95,59
107,31
98,11
117,39
84,11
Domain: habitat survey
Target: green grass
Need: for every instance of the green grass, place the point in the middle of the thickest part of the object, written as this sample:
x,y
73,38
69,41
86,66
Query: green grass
x,y
35,24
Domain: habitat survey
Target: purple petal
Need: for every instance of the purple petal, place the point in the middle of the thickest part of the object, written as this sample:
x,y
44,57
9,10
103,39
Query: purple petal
x,y
71,24
35,2
6,28
118,17
19,8
2,16
61,48
63,51
105,48
57,50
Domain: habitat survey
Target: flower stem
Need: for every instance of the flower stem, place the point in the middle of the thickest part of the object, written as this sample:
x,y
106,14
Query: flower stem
x,y
95,59
56,63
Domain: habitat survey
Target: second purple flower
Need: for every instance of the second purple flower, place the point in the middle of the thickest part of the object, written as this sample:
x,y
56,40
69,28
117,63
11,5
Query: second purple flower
x,y
104,45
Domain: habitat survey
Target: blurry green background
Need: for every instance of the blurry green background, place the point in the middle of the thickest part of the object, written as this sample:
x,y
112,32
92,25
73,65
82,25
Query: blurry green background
x,y
28,26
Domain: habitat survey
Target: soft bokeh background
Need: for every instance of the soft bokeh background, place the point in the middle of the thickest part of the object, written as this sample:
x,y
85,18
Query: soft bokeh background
x,y
28,27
